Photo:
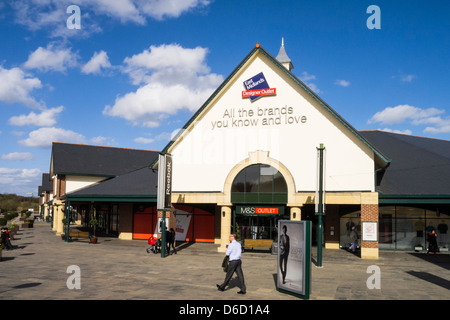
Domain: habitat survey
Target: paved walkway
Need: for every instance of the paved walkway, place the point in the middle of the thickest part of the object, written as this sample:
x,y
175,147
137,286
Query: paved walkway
x,y
119,269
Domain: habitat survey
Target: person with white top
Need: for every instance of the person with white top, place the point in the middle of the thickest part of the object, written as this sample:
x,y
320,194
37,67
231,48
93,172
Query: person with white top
x,y
234,252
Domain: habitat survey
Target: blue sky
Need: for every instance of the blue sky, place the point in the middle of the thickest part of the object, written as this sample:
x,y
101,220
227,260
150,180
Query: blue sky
x,y
136,70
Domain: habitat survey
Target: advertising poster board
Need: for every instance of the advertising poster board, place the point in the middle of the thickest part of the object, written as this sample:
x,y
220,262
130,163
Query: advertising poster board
x,y
159,226
369,231
294,257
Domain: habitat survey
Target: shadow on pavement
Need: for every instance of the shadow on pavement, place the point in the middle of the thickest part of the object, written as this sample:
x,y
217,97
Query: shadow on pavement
x,y
441,260
431,278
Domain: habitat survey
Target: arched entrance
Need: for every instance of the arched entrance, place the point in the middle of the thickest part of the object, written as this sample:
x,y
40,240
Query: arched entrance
x,y
259,194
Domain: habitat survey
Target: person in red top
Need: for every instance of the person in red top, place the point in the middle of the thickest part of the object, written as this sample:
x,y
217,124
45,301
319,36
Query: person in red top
x,y
6,243
432,242
152,243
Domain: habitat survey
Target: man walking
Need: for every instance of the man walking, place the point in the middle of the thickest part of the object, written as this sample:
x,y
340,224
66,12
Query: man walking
x,y
234,252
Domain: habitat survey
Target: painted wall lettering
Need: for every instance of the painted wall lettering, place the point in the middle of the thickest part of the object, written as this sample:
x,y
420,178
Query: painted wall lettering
x,y
260,116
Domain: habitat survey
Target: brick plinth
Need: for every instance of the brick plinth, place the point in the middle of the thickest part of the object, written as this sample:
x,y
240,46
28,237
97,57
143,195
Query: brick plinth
x,y
369,213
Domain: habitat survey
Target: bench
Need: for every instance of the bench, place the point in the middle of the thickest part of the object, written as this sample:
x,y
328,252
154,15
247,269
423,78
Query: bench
x,y
257,244
78,234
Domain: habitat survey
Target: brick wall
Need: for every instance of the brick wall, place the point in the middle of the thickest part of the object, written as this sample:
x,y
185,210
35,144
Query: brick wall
x,y
369,213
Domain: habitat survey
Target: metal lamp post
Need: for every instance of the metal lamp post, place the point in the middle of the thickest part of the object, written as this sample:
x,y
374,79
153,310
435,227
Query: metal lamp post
x,y
319,205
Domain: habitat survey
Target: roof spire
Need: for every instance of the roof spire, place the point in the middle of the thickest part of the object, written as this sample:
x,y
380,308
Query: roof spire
x,y
283,58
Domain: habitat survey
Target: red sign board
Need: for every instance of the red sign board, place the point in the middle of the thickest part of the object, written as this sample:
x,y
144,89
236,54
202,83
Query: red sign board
x,y
266,210
259,92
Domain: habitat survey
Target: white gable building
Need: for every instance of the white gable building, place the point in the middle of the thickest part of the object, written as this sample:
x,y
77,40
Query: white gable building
x,y
250,152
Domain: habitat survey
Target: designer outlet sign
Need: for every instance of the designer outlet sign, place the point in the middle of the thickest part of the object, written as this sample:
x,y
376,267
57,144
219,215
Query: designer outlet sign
x,y
256,87
253,116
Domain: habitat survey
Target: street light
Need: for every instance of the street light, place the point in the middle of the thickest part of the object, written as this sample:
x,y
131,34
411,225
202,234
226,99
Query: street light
x,y
319,204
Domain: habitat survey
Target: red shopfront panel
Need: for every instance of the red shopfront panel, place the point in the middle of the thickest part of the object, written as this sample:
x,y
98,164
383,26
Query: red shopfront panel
x,y
201,224
204,228
144,223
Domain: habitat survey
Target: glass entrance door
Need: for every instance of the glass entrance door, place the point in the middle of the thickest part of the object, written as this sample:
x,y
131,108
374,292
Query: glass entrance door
x,y
256,227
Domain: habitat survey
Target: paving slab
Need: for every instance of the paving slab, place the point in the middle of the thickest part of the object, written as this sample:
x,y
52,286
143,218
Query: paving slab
x,y
113,269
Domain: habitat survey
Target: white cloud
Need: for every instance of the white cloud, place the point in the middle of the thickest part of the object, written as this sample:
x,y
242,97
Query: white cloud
x,y
306,78
406,131
16,86
104,141
51,14
124,10
401,113
143,140
342,83
166,62
414,116
17,156
44,137
46,118
172,78
408,78
17,133
160,9
15,177
440,125
51,59
98,62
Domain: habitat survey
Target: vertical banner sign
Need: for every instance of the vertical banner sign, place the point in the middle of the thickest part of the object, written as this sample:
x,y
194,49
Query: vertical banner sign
x,y
168,182
164,202
294,257
161,182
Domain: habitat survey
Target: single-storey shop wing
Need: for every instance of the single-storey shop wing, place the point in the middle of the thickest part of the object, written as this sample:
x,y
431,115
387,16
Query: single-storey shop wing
x,y
75,167
413,192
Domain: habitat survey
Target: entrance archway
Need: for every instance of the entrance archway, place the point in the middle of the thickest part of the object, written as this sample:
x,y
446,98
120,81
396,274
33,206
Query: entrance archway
x,y
259,195
258,157
228,208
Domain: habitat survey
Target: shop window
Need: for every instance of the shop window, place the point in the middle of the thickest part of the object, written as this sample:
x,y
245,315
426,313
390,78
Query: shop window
x,y
259,183
347,222
439,221
406,228
386,225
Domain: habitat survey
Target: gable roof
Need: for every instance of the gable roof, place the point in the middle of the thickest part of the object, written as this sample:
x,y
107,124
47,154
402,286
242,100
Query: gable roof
x,y
47,184
381,160
77,159
138,185
420,166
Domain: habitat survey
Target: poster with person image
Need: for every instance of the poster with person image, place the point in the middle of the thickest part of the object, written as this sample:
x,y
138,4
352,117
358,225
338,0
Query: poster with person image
x,y
294,257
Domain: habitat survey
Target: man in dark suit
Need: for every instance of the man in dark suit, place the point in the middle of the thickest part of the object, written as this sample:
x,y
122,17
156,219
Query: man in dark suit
x,y
284,253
